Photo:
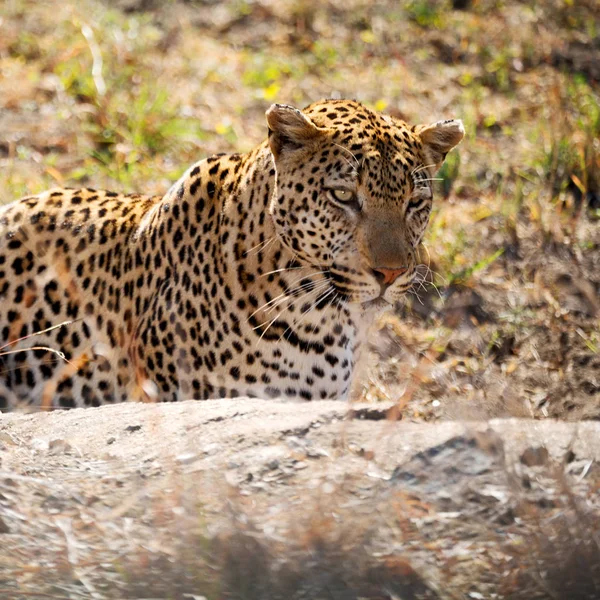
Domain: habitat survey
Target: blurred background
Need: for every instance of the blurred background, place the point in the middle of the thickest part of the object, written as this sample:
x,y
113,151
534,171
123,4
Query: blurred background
x,y
126,94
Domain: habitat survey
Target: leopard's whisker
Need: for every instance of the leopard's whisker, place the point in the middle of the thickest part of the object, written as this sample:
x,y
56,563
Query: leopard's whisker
x,y
354,171
420,279
267,327
435,287
320,299
297,323
288,293
284,269
421,168
428,255
261,245
431,282
339,307
350,153
437,274
297,296
291,291
334,303
429,270
279,314
414,293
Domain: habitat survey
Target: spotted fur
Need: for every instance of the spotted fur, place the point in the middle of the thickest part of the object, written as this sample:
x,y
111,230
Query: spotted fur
x,y
256,274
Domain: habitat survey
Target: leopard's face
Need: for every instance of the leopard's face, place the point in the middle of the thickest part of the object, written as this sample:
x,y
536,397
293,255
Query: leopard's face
x,y
354,193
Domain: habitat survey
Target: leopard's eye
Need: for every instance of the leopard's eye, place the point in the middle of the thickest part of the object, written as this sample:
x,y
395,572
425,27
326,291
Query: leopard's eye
x,y
342,195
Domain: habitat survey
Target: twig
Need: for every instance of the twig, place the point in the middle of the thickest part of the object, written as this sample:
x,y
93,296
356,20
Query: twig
x,y
9,475
30,594
57,352
26,337
64,524
96,59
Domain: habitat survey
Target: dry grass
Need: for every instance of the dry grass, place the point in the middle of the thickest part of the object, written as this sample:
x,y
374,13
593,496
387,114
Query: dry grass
x,y
132,92
557,554
327,563
531,545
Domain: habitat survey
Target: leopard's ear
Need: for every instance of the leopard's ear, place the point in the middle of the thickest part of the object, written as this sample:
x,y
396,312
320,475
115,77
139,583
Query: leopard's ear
x,y
290,129
438,139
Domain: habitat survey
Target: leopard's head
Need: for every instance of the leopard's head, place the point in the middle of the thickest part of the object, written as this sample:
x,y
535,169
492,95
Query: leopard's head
x,y
353,192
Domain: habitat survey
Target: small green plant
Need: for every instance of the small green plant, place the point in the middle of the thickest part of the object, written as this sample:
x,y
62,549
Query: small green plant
x,y
465,274
498,70
571,157
449,173
426,13
265,74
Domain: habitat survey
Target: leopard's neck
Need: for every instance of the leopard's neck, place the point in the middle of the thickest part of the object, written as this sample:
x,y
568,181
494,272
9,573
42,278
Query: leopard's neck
x,y
285,298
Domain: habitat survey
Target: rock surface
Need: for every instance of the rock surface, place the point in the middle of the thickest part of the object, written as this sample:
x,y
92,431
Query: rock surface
x,y
84,487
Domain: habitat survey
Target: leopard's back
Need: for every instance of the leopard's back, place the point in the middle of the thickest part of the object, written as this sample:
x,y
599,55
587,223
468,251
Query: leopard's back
x,y
63,263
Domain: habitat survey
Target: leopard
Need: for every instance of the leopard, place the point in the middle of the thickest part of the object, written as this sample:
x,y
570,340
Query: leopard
x,y
256,274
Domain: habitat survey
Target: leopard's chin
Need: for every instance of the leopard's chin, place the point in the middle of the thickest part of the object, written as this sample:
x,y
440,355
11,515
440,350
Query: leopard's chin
x,y
374,305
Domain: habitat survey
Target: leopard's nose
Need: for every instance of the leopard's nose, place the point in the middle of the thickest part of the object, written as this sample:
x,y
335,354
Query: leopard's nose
x,y
388,276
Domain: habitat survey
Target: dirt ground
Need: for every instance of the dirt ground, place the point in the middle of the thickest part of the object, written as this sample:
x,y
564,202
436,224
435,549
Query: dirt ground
x,y
417,493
